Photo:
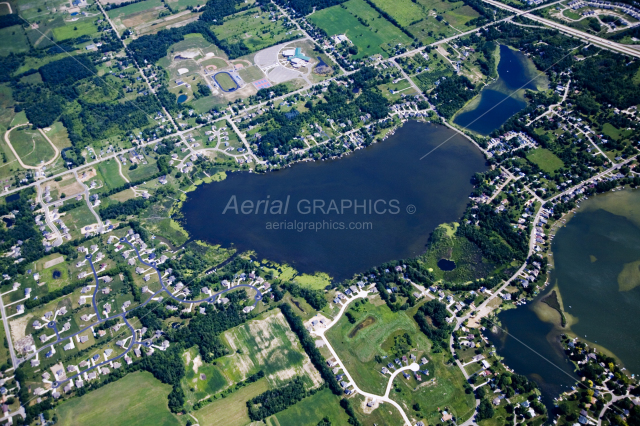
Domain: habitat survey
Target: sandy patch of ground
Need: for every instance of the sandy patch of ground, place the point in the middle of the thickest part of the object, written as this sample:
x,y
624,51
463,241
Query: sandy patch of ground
x,y
89,228
197,363
366,409
19,327
53,262
187,357
87,174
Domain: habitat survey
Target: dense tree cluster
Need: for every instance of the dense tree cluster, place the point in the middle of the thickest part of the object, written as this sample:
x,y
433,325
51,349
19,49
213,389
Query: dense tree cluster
x,y
275,400
451,94
309,346
315,298
67,71
432,319
304,7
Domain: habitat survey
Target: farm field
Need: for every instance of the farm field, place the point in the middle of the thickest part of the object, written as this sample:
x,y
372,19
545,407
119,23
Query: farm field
x,y
31,146
405,12
232,410
545,159
14,40
126,11
75,29
378,38
136,399
311,410
265,343
255,33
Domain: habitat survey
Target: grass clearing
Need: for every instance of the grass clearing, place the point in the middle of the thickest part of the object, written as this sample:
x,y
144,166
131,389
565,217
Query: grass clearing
x,y
254,29
318,281
136,399
312,410
126,11
614,133
232,410
545,159
74,30
14,40
405,12
378,38
31,146
250,74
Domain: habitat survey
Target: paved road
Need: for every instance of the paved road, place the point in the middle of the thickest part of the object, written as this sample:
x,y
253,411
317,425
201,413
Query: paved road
x,y
385,398
7,333
122,315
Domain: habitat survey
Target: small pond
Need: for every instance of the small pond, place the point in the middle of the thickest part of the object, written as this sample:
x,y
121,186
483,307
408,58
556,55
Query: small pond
x,y
446,264
182,98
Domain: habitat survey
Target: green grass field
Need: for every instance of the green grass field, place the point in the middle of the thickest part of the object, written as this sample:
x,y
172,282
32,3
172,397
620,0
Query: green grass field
x,y
317,282
136,399
460,16
226,82
58,134
545,159
77,218
125,11
31,146
110,174
255,33
405,12
217,62
232,410
377,38
14,40
571,14
74,29
250,74
311,410
614,133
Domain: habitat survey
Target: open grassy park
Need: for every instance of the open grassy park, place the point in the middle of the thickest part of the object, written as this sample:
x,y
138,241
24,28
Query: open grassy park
x,y
545,159
377,38
31,146
137,399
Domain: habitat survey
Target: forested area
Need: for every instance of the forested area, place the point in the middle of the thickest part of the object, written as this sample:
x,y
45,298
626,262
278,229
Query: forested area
x,y
495,236
276,400
129,207
304,7
315,298
436,326
10,20
23,229
451,94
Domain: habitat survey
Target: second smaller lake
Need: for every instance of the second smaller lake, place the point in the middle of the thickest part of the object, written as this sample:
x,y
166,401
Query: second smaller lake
x,y
499,100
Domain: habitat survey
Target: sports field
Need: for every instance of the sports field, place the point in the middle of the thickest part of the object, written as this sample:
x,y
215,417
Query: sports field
x,y
137,399
226,82
545,159
378,38
31,146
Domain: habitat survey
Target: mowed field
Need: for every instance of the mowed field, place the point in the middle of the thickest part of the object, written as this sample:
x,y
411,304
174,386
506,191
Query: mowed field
x,y
137,399
545,159
31,146
75,29
378,38
232,410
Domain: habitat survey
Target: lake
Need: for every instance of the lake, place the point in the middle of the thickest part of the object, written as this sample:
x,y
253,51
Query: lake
x,y
375,205
501,99
597,272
